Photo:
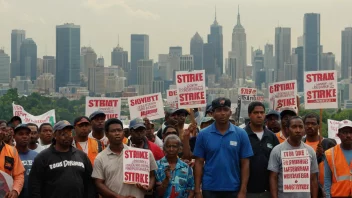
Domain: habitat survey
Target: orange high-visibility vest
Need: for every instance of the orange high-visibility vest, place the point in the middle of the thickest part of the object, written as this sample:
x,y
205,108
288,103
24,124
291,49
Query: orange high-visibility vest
x,y
93,149
341,184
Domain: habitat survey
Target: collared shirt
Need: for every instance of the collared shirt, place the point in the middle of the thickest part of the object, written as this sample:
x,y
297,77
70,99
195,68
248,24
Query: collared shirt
x,y
182,180
280,137
222,154
108,166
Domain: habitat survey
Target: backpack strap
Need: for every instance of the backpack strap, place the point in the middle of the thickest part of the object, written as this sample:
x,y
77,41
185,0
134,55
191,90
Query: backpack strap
x,y
100,147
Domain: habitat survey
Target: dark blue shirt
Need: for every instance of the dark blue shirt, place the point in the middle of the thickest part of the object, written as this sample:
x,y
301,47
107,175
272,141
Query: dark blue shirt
x,y
222,155
27,161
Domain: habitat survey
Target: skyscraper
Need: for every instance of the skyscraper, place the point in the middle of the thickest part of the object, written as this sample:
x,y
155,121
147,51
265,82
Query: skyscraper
x,y
269,61
68,45
28,59
327,61
215,37
145,76
300,68
175,51
139,51
209,60
346,52
282,50
4,67
17,36
49,64
239,47
120,57
196,50
88,60
311,42
186,63
96,79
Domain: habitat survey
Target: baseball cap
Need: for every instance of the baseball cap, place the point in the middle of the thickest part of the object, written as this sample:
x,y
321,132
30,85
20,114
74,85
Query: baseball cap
x,y
221,102
80,120
136,123
61,125
272,112
208,109
345,123
206,119
173,111
96,113
22,126
286,111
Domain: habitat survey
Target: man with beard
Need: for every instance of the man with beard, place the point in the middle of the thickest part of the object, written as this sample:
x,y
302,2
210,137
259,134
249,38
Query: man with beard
x,y
34,136
272,121
61,170
97,120
45,135
285,115
82,142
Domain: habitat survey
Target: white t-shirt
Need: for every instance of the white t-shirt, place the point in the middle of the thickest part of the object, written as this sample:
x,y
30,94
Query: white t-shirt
x,y
39,148
103,140
84,146
259,134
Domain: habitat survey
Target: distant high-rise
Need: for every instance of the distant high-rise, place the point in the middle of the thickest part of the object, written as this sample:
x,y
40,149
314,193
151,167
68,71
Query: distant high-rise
x,y
17,36
258,66
269,61
139,51
282,50
196,50
239,47
175,51
215,37
145,76
300,68
68,45
4,67
311,42
101,61
327,61
88,60
209,60
346,52
96,80
28,59
186,63
49,64
300,41
120,57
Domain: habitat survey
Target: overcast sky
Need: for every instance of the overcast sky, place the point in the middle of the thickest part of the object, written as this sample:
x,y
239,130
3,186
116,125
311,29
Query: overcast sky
x,y
168,22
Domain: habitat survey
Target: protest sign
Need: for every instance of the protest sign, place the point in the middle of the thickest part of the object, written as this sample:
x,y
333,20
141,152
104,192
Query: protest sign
x,y
110,106
150,106
282,103
333,129
260,98
284,89
6,183
246,95
296,170
136,166
172,99
48,117
191,89
320,89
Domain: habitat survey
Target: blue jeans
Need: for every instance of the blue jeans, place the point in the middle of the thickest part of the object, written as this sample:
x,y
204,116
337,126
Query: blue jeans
x,y
219,194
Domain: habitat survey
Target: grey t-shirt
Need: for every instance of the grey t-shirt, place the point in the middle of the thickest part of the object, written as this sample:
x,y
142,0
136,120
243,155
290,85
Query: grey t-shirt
x,y
275,165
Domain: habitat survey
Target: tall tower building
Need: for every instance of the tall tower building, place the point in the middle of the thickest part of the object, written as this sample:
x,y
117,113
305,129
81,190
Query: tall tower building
x,y
49,64
4,67
282,50
175,51
346,52
300,68
145,76
120,57
215,37
88,60
186,63
68,45
311,42
239,47
327,61
196,50
28,59
139,51
96,79
17,36
269,61
209,60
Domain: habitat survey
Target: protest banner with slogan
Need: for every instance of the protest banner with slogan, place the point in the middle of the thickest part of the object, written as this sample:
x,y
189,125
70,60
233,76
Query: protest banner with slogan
x,y
284,89
320,89
191,89
289,102
172,99
110,106
48,117
150,106
246,95
296,170
136,166
333,129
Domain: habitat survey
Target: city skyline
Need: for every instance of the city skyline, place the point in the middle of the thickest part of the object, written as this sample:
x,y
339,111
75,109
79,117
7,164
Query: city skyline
x,y
153,18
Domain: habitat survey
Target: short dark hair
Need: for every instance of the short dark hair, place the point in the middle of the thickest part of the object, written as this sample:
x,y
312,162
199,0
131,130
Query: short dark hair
x,y
44,124
288,124
312,115
254,104
32,124
170,126
110,122
14,118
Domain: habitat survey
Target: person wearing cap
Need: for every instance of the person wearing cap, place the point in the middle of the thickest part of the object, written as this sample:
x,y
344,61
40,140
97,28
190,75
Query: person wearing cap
x,y
61,170
295,128
139,140
272,121
180,115
168,121
45,135
222,154
15,120
22,138
338,163
81,141
285,115
208,111
108,166
150,133
34,136
97,120
10,163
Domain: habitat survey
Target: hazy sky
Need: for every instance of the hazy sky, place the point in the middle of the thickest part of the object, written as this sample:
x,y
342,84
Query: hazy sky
x,y
168,22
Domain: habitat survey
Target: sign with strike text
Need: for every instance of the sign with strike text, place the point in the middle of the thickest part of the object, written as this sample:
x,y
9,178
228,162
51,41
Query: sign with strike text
x,y
136,166
283,89
172,99
333,129
146,106
191,89
296,170
320,89
246,96
110,106
289,102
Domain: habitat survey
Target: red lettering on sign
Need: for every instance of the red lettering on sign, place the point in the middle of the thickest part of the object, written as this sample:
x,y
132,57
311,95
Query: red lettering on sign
x,y
320,77
286,102
191,96
137,177
144,100
172,93
328,93
103,103
282,87
108,116
147,112
136,154
185,78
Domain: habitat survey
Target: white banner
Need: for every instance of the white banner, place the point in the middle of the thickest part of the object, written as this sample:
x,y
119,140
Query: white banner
x,y
172,99
150,106
110,106
136,166
284,89
48,117
333,129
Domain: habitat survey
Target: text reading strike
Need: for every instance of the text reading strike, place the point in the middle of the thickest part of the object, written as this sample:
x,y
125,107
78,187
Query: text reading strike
x,y
185,78
320,77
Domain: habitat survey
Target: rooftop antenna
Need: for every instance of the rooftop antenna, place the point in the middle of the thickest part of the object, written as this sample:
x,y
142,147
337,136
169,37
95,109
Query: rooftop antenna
x,y
118,40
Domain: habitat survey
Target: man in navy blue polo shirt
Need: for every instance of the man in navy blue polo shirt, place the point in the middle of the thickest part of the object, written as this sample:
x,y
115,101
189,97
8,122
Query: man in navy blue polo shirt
x,y
225,149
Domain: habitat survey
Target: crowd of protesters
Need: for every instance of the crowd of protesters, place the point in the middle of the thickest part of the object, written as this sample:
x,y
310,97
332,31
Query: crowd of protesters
x,y
211,157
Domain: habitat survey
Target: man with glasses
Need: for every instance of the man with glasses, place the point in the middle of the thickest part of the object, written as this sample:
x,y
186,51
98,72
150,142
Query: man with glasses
x,y
285,115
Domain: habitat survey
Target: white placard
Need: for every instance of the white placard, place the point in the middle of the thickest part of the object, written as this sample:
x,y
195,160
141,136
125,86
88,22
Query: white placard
x,y
333,129
172,99
146,106
191,89
136,166
110,106
48,117
283,89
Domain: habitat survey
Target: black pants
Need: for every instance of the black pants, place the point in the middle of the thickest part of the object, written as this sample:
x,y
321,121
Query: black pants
x,y
219,194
